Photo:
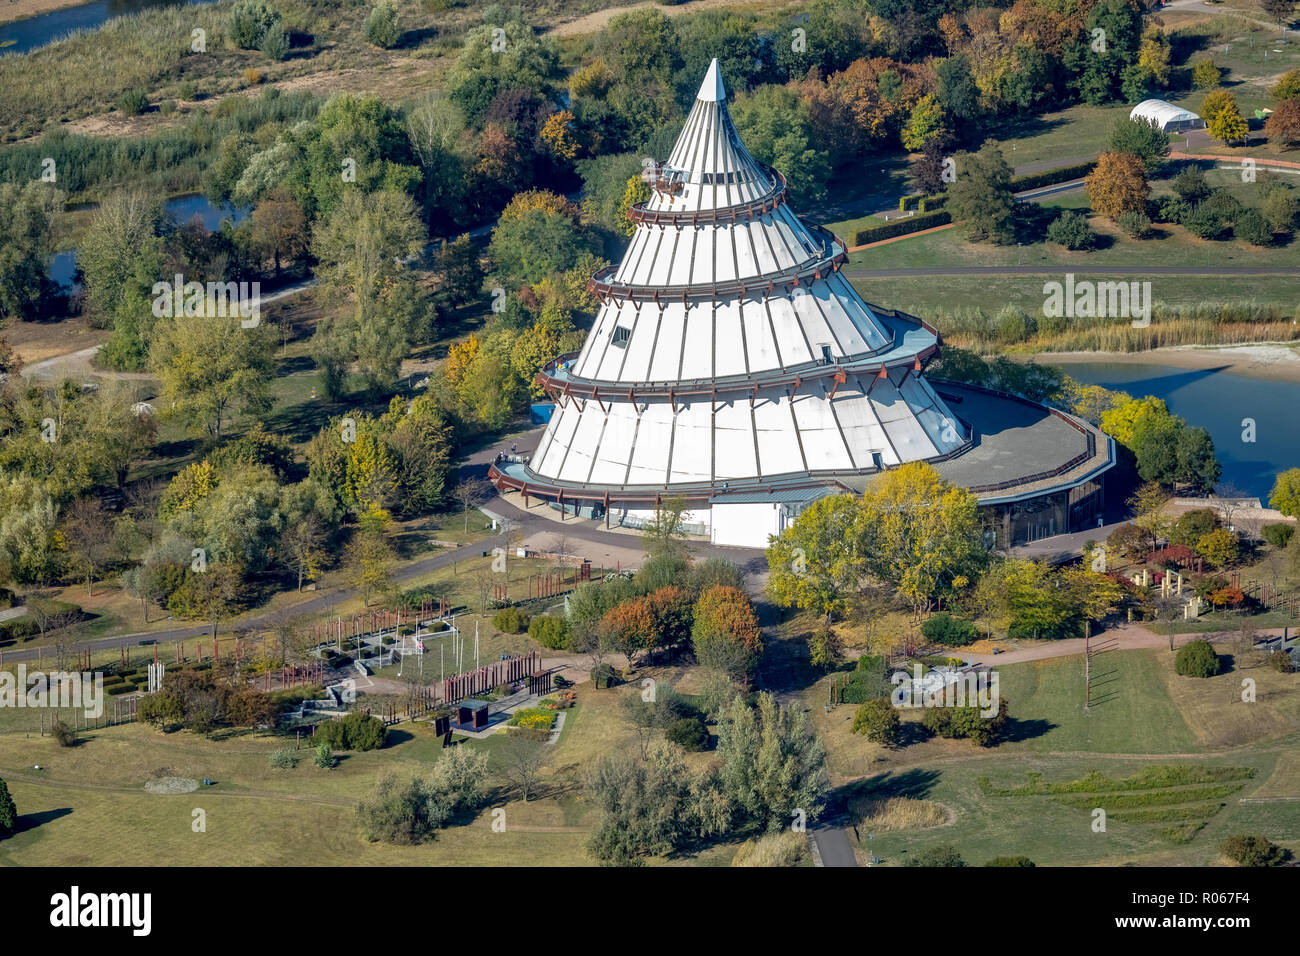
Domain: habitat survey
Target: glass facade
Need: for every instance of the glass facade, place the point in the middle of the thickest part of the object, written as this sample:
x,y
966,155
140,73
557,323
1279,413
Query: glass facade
x,y
1052,513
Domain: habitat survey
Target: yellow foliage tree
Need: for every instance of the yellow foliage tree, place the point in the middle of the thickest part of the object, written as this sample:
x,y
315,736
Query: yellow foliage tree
x,y
1117,185
638,190
557,137
460,356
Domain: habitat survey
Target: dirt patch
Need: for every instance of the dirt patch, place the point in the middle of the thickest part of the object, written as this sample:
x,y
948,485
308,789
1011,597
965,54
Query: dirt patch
x,y
595,22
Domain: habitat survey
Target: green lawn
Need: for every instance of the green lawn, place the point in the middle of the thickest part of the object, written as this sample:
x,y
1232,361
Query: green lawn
x,y
1131,711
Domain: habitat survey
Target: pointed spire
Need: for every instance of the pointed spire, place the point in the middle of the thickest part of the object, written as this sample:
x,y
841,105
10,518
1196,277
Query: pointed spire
x,y
712,90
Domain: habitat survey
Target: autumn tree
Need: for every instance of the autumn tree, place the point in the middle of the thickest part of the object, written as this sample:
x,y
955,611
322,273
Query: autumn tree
x,y
1117,185
1223,117
1285,496
87,532
1283,124
279,229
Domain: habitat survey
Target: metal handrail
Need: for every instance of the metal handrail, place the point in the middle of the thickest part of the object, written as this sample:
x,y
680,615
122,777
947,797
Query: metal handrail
x,y
777,195
832,254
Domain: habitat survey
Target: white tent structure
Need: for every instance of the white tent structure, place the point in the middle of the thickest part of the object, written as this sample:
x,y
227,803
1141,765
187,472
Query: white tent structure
x,y
731,363
1166,116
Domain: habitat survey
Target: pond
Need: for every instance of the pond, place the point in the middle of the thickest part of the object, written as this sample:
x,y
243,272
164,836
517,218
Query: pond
x,y
1218,399
33,32
63,267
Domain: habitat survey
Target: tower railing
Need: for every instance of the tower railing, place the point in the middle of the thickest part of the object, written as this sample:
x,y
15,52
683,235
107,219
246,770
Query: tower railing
x,y
775,196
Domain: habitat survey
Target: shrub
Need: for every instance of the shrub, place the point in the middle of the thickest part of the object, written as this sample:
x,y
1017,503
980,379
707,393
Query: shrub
x,y
133,102
1254,228
1281,662
944,855
1071,229
8,812
966,722
1247,850
902,227
324,757
249,21
382,26
604,675
187,90
167,107
1278,535
689,733
1172,209
252,76
1010,861
1205,223
549,631
1191,184
950,631
510,621
65,735
1197,659
878,719
275,42
283,759
1136,224
356,731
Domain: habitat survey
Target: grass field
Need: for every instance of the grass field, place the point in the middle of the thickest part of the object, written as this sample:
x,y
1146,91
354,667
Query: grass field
x,y
1143,716
87,806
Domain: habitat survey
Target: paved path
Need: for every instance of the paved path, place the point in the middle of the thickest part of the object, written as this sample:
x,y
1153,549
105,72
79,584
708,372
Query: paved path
x,y
1105,270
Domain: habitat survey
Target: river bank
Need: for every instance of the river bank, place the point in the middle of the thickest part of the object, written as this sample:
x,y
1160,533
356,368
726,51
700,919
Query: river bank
x,y
12,10
1278,362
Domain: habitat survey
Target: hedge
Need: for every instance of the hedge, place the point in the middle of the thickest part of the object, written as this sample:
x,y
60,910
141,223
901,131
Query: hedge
x,y
901,227
1062,174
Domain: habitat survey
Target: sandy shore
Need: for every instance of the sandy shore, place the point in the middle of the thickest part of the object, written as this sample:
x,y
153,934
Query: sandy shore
x,y
11,10
1279,362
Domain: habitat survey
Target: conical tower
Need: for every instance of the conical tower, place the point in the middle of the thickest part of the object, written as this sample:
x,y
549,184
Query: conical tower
x,y
730,355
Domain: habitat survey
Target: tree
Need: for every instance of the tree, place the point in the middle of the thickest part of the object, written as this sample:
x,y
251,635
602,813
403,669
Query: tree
x,y
212,368
121,256
382,27
1280,10
774,125
1219,547
665,533
8,812
920,534
1283,124
523,757
1117,185
651,807
537,235
279,229
981,198
470,493
1205,75
86,531
28,216
1287,87
814,563
878,719
1227,124
1285,496
302,547
924,125
369,556
1249,850
462,274
361,248
651,714
773,765
1141,137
